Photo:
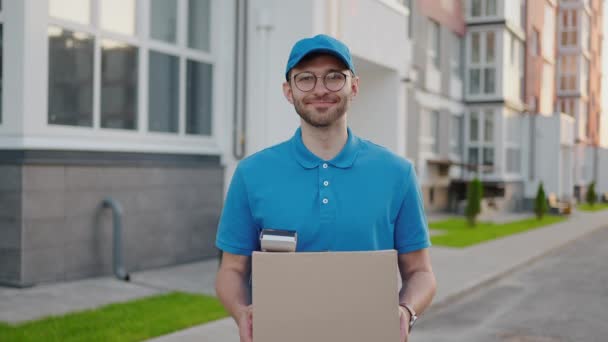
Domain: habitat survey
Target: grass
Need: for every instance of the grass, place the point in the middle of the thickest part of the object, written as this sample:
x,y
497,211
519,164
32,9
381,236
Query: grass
x,y
130,321
457,233
596,207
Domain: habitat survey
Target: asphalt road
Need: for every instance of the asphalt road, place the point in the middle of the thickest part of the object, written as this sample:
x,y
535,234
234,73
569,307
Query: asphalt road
x,y
561,297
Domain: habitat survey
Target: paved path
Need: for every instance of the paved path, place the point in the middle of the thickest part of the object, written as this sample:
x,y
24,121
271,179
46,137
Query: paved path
x,y
459,271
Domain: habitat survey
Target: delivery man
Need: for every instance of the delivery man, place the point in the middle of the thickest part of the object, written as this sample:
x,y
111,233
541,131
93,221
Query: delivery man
x,y
338,191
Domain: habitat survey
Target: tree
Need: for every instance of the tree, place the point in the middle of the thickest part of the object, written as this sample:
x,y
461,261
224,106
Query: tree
x,y
474,195
540,204
591,195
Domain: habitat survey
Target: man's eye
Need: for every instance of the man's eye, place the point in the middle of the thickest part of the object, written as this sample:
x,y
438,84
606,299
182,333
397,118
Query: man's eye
x,y
305,79
334,76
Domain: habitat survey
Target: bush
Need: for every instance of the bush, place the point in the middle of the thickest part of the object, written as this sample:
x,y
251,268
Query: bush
x,y
591,195
474,195
540,204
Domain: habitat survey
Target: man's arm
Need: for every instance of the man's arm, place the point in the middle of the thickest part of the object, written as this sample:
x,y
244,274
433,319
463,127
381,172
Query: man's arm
x,y
418,279
231,288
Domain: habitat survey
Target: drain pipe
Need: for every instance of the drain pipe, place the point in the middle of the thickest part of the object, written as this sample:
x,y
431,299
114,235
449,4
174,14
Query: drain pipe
x,y
119,270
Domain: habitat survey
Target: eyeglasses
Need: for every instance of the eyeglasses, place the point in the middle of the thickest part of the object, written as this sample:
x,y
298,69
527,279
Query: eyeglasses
x,y
307,81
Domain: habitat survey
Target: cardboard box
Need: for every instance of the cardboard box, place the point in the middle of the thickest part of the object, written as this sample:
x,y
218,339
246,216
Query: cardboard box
x,y
329,296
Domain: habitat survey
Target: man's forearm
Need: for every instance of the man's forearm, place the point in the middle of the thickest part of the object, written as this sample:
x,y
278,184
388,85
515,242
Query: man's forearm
x,y
418,290
232,290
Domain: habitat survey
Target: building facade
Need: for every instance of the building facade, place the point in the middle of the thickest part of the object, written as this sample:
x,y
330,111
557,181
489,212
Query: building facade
x,y
494,94
436,107
152,103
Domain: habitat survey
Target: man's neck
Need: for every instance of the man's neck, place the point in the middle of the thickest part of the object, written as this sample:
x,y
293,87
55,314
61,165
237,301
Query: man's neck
x,y
326,142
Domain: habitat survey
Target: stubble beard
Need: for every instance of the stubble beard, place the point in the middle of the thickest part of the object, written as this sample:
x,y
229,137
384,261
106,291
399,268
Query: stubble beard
x,y
321,118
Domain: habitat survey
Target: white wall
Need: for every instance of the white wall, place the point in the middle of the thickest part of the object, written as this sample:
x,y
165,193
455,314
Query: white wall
x,y
553,155
602,179
11,128
376,113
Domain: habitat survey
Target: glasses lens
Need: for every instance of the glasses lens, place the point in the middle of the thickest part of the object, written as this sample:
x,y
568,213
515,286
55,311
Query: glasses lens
x,y
305,81
334,81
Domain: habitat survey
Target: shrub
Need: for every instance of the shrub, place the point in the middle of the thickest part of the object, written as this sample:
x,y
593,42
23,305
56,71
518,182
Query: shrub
x,y
540,204
474,195
591,195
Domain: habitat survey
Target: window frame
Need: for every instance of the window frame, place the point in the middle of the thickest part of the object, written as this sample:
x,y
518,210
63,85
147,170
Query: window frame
x,y
482,65
481,144
181,142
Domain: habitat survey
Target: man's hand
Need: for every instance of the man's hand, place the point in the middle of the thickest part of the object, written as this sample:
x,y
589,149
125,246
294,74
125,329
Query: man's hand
x,y
404,318
245,324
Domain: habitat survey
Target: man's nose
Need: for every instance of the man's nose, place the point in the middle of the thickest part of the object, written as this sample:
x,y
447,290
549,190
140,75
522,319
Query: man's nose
x,y
320,87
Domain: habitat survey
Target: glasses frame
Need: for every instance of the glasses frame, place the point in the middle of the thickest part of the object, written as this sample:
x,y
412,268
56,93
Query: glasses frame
x,y
346,76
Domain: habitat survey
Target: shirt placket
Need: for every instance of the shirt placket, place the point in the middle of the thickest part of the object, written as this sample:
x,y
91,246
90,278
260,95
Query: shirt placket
x,y
327,205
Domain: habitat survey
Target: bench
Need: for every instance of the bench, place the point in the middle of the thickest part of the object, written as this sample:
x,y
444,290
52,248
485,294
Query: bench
x,y
558,207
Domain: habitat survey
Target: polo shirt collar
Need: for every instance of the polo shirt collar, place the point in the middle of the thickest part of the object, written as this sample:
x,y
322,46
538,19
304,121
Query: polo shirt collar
x,y
308,160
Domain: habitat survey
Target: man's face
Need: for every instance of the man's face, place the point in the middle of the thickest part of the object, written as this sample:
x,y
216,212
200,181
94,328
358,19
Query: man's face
x,y
321,107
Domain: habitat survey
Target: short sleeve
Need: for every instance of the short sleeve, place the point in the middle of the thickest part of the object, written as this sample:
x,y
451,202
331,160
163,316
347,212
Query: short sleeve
x,y
237,232
411,231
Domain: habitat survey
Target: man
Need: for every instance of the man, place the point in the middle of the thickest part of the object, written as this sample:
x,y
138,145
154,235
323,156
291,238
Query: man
x,y
339,192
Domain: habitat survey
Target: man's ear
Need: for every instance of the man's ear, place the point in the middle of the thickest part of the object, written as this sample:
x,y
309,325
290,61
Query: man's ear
x,y
354,86
287,92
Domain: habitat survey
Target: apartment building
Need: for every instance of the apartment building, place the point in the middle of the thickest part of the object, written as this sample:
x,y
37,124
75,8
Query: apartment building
x,y
579,81
436,109
152,103
494,95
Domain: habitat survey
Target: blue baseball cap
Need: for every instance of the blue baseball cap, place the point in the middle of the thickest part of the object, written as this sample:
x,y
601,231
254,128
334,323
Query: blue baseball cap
x,y
319,44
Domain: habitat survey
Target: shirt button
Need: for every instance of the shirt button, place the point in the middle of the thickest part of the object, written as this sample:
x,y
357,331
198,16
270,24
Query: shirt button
x,y
325,201
326,183
325,165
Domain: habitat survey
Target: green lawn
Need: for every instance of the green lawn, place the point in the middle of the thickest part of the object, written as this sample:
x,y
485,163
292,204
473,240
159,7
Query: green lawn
x,y
596,207
456,232
130,321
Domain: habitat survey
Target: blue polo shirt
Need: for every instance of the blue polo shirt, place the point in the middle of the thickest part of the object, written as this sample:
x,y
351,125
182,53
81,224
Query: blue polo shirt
x,y
366,198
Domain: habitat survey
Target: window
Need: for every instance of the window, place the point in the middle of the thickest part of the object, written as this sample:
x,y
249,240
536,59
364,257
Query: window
x,y
456,56
118,16
534,42
490,7
76,11
482,66
70,80
434,43
483,7
475,47
475,8
490,47
118,85
474,127
163,20
456,136
569,27
490,82
177,53
198,103
163,96
481,151
567,72
429,137
435,130
199,24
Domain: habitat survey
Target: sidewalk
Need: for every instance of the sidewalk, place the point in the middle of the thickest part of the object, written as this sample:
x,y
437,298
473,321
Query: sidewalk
x,y
458,271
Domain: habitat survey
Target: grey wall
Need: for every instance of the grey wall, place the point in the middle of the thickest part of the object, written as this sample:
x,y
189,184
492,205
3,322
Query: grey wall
x,y
170,217
10,224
